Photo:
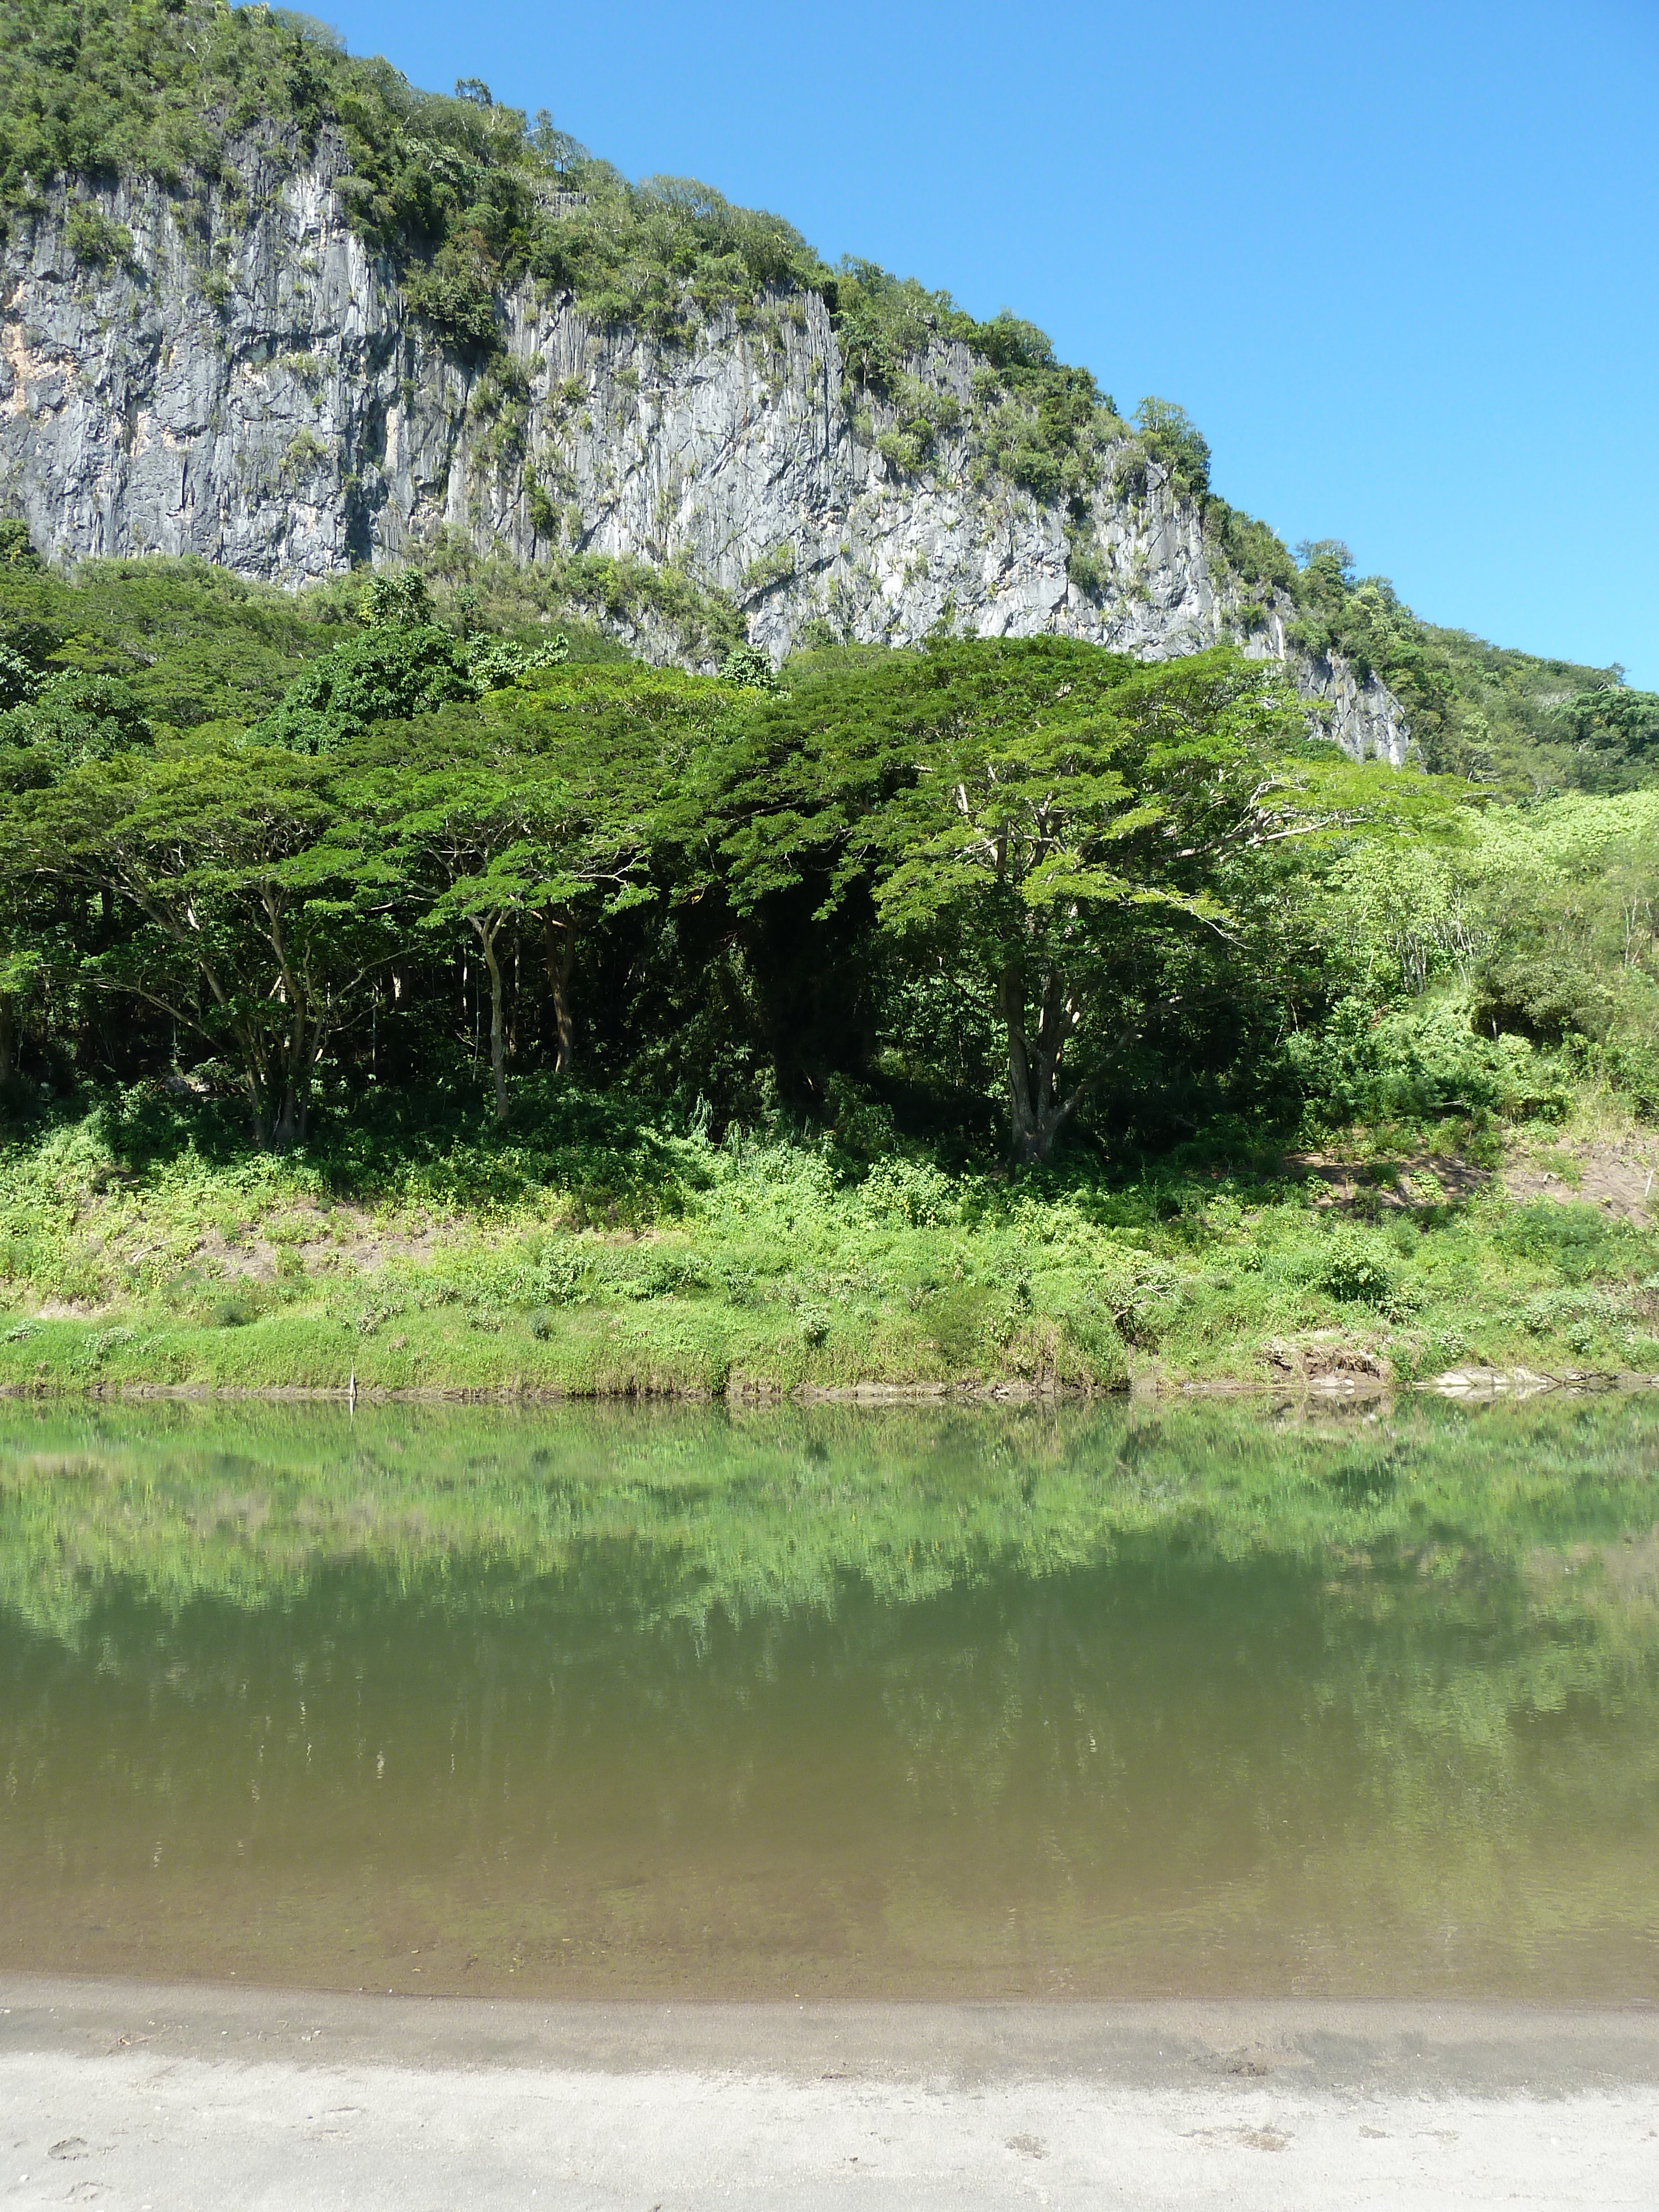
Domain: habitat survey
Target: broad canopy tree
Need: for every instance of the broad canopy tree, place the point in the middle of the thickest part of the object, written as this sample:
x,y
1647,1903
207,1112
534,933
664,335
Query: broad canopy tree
x,y
545,806
259,908
1030,803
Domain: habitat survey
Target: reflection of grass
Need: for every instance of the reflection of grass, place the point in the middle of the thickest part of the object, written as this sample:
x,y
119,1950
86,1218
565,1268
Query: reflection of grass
x,y
770,1512
591,1253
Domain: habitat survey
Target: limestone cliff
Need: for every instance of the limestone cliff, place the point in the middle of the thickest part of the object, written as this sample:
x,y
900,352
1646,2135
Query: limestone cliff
x,y
238,378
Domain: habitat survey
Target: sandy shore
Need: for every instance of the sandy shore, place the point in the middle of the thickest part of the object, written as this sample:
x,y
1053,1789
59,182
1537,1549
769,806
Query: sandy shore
x,y
126,2096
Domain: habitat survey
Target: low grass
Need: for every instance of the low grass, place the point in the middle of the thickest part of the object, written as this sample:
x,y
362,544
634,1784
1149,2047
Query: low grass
x,y
592,1251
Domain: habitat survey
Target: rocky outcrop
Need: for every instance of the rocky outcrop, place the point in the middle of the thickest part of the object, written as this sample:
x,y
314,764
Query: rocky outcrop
x,y
238,378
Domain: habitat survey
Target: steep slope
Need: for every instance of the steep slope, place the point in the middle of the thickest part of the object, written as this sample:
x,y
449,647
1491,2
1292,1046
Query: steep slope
x,y
265,301
282,411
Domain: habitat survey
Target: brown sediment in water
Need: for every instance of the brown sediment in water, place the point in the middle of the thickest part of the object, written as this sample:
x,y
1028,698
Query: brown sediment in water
x,y
334,1741
1101,1704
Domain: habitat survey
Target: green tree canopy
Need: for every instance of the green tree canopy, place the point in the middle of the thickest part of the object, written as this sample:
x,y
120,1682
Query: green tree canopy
x,y
539,810
66,718
1614,732
388,673
1037,804
258,908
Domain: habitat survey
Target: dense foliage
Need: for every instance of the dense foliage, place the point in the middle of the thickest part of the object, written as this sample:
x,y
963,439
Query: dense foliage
x,y
1038,820
361,896
1511,721
304,849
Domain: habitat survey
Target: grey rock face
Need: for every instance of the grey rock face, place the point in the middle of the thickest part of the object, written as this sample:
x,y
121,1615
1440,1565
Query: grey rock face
x,y
247,386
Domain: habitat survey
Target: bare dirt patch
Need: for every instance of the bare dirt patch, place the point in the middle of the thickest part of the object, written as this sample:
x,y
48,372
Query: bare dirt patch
x,y
343,1238
1405,1182
1621,1178
1327,1358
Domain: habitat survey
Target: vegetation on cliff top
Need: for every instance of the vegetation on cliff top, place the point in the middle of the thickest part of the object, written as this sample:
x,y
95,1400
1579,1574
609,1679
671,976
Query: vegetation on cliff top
x,y
1513,722
469,196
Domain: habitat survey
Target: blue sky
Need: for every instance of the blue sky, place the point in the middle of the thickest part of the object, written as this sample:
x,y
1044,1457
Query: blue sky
x,y
1398,262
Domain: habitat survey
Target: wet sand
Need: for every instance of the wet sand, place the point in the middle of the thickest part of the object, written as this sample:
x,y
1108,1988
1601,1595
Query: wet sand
x,y
144,2096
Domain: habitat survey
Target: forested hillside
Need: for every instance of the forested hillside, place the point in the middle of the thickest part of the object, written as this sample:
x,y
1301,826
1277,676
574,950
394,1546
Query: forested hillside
x,y
365,896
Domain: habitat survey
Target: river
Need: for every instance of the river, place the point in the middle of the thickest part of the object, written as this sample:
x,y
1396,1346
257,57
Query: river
x,y
1085,1702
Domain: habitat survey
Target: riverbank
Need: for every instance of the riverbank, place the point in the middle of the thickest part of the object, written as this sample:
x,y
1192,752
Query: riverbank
x,y
196,2097
602,1258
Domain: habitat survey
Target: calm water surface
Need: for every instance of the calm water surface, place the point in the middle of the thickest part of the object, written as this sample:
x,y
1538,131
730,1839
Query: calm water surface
x,y
1119,1703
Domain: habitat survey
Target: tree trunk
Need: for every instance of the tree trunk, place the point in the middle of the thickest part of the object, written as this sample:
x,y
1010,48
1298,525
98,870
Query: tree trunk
x,y
8,1041
301,1049
497,1025
302,1053
1038,1106
288,1128
257,1082
561,940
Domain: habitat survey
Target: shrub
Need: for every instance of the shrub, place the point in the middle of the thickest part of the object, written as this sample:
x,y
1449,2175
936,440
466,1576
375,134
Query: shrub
x,y
398,598
1351,1269
69,719
1572,1238
903,448
455,293
542,510
92,238
495,663
17,553
1168,436
775,567
389,672
911,1192
748,668
1086,570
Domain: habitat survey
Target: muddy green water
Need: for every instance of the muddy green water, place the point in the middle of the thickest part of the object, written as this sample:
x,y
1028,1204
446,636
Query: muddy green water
x,y
1121,1702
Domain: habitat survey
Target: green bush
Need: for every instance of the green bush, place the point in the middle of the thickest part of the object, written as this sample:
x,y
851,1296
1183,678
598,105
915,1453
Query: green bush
x,y
1086,570
17,553
777,567
1168,436
748,668
388,673
93,239
1352,1269
456,293
912,1192
1572,1239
